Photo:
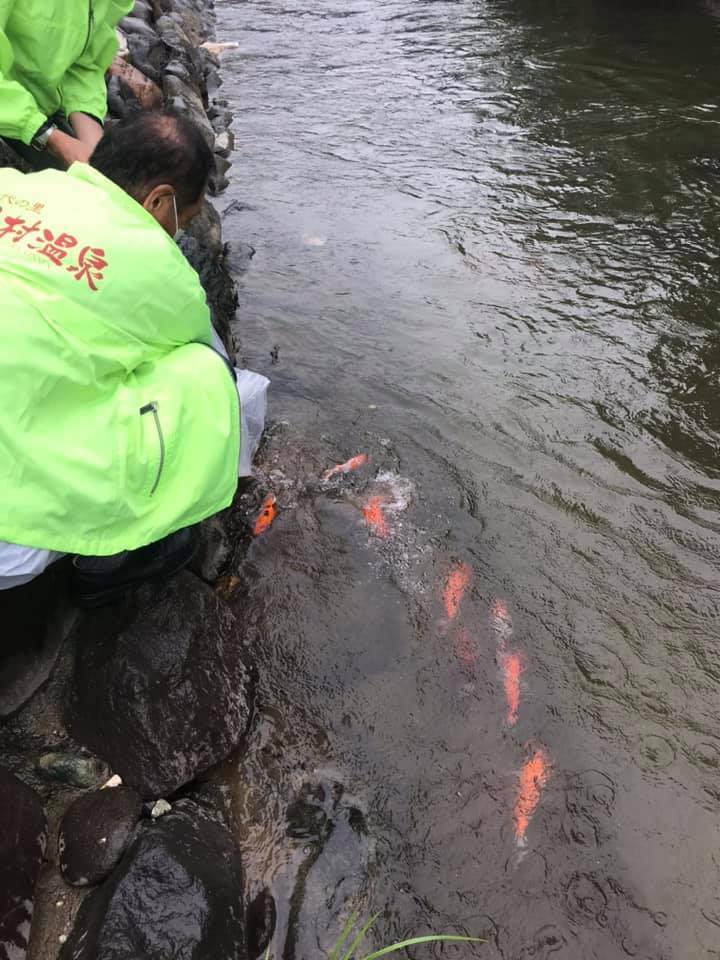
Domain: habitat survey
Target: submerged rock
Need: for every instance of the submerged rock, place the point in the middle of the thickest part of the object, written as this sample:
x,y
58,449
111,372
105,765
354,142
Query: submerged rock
x,y
160,689
224,143
176,894
95,832
340,852
23,841
261,922
214,550
72,768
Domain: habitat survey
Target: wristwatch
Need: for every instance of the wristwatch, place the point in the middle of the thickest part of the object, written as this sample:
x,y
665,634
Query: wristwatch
x,y
40,140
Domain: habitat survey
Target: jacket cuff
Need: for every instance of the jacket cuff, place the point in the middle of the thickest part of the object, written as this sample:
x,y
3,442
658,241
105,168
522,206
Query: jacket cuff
x,y
92,108
33,122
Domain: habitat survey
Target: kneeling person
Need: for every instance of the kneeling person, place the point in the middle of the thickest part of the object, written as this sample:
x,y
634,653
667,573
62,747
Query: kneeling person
x,y
119,424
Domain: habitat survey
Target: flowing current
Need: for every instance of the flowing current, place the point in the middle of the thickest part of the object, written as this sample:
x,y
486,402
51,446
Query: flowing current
x,y
487,239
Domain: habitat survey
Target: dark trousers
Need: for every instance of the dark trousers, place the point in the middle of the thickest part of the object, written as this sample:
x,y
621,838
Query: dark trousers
x,y
39,159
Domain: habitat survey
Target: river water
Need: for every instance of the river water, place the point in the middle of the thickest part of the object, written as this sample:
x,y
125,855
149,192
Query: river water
x,y
487,236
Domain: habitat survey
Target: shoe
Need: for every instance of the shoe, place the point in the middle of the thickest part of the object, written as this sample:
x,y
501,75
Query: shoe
x,y
99,580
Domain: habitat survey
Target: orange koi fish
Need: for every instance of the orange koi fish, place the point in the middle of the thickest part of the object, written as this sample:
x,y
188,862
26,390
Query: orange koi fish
x,y
511,667
455,587
265,518
532,781
354,463
374,516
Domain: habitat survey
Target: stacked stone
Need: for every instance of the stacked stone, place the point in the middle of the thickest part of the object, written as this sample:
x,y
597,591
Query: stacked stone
x,y
168,55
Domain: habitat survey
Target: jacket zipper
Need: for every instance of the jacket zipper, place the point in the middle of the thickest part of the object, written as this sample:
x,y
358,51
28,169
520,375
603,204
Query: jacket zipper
x,y
153,409
91,21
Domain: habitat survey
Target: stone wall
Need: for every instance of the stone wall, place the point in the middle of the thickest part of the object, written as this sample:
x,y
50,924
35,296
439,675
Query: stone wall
x,y
169,55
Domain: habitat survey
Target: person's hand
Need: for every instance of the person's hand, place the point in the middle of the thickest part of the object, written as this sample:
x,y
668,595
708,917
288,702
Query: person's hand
x,y
67,149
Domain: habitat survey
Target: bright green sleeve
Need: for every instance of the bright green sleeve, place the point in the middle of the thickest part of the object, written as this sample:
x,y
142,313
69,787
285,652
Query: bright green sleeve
x,y
83,87
20,116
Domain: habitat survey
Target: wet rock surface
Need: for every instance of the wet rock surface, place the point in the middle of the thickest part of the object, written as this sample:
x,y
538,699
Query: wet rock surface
x,y
160,690
143,90
214,549
35,620
74,769
338,850
167,52
261,923
95,832
23,841
204,249
177,893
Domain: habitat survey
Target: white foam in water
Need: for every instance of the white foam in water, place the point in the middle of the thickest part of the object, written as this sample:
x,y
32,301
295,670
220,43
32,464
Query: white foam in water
x,y
401,489
313,241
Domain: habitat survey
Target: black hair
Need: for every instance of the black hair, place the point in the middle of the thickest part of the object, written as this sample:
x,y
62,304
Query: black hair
x,y
151,147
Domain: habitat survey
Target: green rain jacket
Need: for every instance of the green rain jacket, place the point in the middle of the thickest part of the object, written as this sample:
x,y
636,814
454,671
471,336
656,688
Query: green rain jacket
x,y
118,422
53,56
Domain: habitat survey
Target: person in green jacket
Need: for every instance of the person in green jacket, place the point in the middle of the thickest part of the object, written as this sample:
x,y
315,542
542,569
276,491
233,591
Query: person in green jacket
x,y
119,421
53,58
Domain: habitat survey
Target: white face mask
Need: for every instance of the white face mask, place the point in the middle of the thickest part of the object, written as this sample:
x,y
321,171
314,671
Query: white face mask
x,y
178,232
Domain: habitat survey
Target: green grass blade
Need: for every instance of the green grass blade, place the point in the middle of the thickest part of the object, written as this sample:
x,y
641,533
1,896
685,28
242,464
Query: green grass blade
x,y
347,930
267,953
435,938
360,937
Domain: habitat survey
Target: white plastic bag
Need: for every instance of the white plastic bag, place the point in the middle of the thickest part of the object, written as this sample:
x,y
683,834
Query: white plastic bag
x,y
252,390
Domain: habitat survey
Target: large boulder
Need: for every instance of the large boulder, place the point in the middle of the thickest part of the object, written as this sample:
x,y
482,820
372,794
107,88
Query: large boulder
x,y
183,96
195,17
149,56
23,841
95,832
181,48
35,619
160,689
146,93
176,895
